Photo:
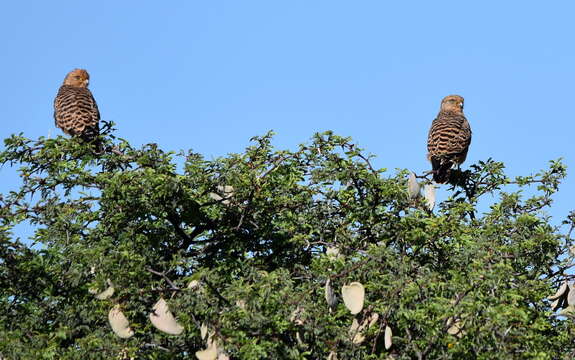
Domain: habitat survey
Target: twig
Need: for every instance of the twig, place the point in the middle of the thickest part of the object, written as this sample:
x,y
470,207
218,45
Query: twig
x,y
355,267
191,238
424,175
275,165
215,291
163,275
415,347
156,346
366,159
176,224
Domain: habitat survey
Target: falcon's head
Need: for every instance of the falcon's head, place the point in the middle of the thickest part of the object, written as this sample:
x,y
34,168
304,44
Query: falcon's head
x,y
452,103
78,78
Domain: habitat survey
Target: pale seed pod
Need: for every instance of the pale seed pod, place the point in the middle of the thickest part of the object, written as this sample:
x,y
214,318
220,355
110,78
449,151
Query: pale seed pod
x,y
164,320
353,297
413,187
562,289
388,338
119,323
330,297
430,196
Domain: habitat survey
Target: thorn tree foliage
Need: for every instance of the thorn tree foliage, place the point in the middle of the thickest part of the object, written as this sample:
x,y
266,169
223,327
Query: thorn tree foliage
x,y
139,253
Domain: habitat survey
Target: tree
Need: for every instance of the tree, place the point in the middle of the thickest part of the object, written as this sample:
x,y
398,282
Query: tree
x,y
240,250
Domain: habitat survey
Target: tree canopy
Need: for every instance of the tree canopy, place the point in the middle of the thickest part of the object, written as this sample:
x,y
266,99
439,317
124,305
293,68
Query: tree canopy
x,y
140,253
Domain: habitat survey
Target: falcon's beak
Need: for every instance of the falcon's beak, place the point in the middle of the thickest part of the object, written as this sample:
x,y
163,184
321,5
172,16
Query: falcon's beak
x,y
461,105
86,82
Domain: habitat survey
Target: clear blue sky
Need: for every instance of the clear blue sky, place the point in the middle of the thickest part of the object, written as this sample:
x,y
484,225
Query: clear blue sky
x,y
209,75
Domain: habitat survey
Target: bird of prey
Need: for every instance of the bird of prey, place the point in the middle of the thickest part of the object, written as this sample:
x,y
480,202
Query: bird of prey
x,y
449,138
75,110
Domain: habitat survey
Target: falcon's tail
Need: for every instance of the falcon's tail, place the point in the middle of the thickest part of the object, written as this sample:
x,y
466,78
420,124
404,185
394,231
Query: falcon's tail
x,y
441,169
91,136
97,146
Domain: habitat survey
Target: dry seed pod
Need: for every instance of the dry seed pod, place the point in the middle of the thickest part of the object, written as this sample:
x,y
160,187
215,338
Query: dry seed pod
x,y
556,304
455,327
367,322
333,253
413,187
571,295
568,311
358,338
119,323
204,331
215,196
210,353
194,285
241,303
227,191
106,293
430,196
164,320
562,289
330,294
295,316
388,339
354,331
358,331
332,355
373,319
354,326
353,296
93,290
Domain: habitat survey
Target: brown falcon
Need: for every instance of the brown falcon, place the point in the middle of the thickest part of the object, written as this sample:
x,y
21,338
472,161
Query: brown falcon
x,y
75,110
449,138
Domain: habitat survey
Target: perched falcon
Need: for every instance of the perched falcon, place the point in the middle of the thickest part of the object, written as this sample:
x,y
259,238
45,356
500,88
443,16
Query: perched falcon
x,y
449,138
75,110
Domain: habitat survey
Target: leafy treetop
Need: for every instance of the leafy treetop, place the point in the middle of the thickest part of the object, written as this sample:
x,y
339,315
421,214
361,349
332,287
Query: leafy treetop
x,y
237,246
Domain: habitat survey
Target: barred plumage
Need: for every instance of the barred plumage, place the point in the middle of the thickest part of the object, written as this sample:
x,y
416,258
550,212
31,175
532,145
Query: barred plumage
x,y
449,138
75,110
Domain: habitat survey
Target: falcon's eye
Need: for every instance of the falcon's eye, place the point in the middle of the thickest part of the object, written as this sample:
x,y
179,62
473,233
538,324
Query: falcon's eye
x,y
77,77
